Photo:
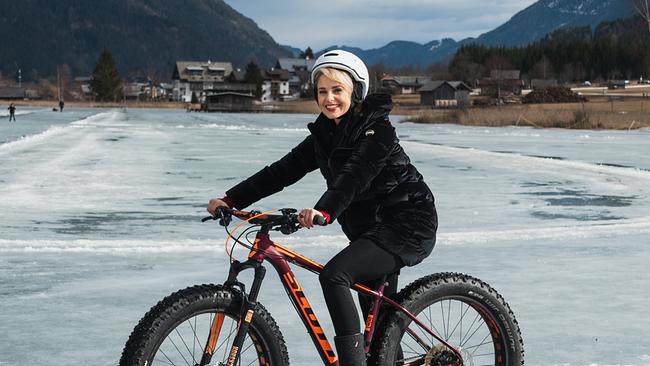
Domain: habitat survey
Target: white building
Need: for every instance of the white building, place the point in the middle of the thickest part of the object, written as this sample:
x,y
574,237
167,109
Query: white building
x,y
276,85
197,77
299,72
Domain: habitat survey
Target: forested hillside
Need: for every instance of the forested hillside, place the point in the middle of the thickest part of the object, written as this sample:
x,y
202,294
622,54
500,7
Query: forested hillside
x,y
614,50
145,36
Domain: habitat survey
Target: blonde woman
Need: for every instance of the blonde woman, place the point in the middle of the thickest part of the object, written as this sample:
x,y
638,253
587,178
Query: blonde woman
x,y
378,197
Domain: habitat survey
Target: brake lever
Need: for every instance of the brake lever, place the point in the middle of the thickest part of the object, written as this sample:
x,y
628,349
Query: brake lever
x,y
223,214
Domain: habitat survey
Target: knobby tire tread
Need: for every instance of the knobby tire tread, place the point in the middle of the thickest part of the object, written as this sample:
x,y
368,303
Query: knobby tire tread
x,y
411,294
177,305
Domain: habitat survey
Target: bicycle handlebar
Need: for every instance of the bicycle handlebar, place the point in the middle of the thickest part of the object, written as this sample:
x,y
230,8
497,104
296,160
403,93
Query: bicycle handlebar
x,y
287,218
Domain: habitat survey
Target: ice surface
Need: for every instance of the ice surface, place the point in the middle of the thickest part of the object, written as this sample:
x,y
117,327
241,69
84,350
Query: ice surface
x,y
100,219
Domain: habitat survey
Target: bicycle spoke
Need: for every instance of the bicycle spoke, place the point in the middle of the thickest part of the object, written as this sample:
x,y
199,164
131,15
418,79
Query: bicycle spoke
x,y
417,339
179,351
431,324
460,320
411,348
169,360
477,346
185,344
472,335
195,336
448,318
476,317
442,312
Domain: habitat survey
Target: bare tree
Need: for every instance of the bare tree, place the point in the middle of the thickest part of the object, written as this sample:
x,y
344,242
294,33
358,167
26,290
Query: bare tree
x,y
643,8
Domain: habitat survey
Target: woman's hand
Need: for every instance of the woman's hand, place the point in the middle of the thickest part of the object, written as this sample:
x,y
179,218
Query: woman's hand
x,y
214,203
306,217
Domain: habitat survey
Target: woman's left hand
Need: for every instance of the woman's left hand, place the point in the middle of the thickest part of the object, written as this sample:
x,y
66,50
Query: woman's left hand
x,y
306,217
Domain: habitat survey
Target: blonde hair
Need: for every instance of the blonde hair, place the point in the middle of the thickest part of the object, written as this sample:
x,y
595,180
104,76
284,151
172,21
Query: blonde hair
x,y
337,75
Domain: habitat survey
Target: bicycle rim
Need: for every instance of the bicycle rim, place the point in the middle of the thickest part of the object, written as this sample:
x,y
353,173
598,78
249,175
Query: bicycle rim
x,y
184,344
461,322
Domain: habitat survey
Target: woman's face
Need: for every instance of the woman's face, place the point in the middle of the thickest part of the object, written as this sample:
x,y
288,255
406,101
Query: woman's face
x,y
333,98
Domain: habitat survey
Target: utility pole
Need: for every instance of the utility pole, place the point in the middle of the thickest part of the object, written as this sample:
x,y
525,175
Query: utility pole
x,y
58,81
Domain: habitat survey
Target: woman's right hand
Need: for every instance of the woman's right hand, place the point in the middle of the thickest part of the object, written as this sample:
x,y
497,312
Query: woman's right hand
x,y
214,203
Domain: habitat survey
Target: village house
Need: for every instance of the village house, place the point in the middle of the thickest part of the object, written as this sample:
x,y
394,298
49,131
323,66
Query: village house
x,y
230,97
81,87
12,93
445,94
403,84
299,75
229,101
197,77
276,85
502,83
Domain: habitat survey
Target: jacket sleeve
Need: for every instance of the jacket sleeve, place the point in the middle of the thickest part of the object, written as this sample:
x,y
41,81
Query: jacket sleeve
x,y
366,161
275,177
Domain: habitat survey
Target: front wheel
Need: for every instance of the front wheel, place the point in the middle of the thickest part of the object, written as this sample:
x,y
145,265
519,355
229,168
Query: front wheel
x,y
176,331
464,311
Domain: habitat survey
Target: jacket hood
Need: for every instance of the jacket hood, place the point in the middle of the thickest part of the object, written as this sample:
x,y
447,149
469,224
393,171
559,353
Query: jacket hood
x,y
379,104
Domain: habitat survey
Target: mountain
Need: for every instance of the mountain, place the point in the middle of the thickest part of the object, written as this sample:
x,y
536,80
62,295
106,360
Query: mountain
x,y
145,36
527,26
404,53
545,16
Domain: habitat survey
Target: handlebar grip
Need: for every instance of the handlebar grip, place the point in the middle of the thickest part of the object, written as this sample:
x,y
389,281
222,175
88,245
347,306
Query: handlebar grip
x,y
320,220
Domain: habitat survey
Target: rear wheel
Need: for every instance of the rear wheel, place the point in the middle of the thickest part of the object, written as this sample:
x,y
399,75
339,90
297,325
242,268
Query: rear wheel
x,y
176,331
464,311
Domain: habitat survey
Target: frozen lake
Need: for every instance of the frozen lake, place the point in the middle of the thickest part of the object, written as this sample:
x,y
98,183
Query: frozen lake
x,y
100,219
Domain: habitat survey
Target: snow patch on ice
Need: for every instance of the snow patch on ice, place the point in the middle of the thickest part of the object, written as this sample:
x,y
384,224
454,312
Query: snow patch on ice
x,y
54,131
613,228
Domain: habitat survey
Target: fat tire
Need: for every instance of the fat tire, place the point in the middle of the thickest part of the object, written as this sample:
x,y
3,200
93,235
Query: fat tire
x,y
431,289
160,321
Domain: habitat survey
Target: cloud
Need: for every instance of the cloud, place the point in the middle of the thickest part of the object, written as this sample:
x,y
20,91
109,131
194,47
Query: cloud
x,y
372,24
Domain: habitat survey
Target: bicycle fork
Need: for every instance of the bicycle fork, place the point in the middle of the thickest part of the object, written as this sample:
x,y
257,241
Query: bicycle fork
x,y
248,310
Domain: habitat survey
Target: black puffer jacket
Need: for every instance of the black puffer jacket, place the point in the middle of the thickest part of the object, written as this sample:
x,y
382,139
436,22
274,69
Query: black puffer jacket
x,y
372,188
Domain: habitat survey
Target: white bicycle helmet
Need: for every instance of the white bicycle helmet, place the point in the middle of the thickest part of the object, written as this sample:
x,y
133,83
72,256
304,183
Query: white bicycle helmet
x,y
346,61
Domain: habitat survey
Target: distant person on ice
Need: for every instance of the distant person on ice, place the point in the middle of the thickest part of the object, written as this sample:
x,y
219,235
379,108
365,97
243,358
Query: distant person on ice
x,y
61,104
12,112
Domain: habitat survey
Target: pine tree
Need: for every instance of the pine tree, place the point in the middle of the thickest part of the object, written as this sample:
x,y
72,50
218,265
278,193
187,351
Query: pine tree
x,y
106,84
307,54
254,76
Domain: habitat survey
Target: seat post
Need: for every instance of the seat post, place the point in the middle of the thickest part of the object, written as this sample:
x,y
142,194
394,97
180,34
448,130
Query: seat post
x,y
371,320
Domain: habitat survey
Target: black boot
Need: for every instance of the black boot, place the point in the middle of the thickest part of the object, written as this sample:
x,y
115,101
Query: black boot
x,y
350,350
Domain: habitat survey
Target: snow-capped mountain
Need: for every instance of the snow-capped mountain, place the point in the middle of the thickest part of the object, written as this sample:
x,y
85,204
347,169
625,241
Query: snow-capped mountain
x,y
527,26
545,16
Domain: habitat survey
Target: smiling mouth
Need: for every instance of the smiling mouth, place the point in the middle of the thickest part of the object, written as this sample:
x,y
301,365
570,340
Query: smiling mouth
x,y
332,107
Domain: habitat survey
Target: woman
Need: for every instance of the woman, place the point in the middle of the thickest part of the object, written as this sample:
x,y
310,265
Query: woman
x,y
378,197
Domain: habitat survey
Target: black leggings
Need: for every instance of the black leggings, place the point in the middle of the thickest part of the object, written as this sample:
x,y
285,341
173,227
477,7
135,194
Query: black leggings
x,y
362,261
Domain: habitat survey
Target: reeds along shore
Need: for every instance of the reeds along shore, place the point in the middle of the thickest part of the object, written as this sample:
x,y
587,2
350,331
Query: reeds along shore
x,y
598,113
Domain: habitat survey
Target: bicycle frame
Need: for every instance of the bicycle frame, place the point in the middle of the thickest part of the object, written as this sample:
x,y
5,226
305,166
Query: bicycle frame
x,y
279,256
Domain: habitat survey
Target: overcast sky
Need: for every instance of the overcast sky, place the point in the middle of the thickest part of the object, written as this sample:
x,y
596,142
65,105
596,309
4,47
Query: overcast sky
x,y
371,24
